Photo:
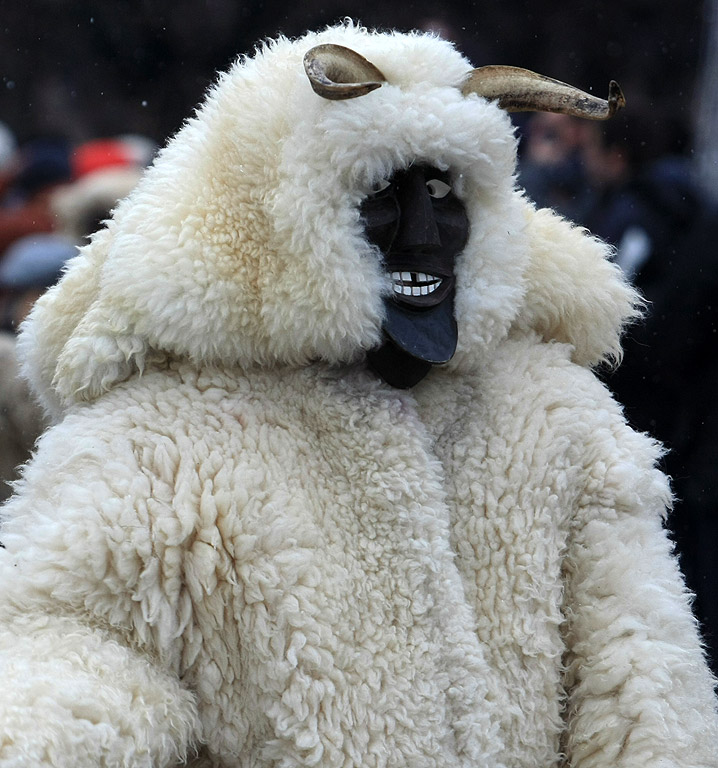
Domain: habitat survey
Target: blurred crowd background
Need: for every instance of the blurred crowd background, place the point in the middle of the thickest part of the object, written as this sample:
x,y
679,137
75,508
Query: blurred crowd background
x,y
89,91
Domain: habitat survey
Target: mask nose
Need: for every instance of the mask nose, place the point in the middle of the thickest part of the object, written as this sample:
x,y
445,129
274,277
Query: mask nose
x,y
417,231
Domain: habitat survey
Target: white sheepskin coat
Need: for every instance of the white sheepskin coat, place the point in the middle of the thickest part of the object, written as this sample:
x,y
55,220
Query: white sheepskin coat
x,y
237,547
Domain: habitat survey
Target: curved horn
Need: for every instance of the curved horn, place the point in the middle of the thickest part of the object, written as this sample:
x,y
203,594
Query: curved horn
x,y
520,90
336,72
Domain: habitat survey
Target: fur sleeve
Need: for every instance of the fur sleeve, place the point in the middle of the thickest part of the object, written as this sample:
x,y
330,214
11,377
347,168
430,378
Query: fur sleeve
x,y
73,697
88,615
640,693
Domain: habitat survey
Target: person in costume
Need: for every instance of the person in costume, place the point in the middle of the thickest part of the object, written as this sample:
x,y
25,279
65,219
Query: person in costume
x,y
331,481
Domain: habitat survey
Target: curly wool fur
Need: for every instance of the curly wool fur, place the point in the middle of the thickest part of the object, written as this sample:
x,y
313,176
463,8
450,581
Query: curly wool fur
x,y
236,545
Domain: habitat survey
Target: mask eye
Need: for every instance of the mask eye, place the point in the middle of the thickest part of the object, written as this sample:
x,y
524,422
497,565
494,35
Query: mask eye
x,y
437,188
380,186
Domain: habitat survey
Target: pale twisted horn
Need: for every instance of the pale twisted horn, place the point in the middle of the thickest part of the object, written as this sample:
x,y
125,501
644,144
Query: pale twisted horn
x,y
336,72
520,90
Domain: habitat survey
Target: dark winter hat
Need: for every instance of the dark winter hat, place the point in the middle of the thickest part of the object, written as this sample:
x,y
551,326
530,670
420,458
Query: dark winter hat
x,y
43,162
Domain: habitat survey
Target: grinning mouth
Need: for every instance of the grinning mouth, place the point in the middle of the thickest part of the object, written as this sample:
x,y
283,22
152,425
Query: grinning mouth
x,y
414,283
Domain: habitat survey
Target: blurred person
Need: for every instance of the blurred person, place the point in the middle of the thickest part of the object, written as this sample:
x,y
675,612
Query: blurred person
x,y
41,166
21,419
34,262
551,165
130,150
664,233
8,157
82,207
642,201
8,146
31,265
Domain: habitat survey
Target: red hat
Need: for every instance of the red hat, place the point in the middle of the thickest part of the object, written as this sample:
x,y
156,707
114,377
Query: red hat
x,y
101,153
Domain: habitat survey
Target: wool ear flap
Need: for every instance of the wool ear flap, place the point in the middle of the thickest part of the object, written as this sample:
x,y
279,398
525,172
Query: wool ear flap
x,y
574,291
52,322
95,357
68,349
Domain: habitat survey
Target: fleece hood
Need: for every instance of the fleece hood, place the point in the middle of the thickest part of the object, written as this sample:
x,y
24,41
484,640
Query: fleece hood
x,y
243,245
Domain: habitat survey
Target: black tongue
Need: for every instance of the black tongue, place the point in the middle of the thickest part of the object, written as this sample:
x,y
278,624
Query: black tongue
x,y
425,334
414,340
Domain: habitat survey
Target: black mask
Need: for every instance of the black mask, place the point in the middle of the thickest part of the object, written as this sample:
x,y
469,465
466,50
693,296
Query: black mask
x,y
420,226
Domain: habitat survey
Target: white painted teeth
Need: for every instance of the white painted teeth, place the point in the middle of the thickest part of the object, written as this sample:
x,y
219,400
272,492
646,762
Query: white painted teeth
x,y
414,283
